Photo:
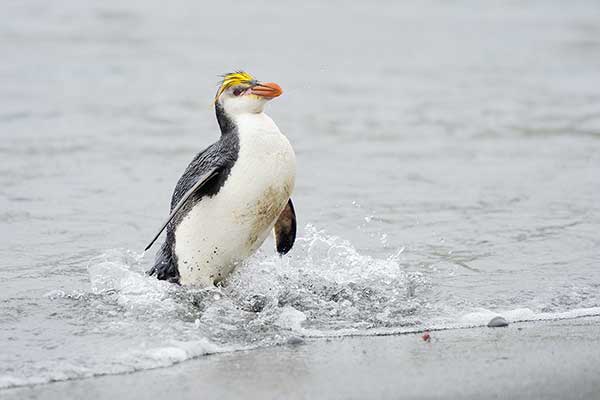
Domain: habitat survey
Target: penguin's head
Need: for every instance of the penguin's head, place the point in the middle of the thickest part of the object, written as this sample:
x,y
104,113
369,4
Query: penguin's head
x,y
240,93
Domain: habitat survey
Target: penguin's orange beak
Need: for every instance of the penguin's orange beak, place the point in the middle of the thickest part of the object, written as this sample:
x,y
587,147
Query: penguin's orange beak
x,y
268,90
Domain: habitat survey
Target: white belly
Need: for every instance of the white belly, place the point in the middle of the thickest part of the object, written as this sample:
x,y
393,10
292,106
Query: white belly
x,y
222,230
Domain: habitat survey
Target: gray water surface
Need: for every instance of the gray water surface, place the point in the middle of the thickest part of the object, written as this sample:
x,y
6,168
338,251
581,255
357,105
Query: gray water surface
x,y
448,171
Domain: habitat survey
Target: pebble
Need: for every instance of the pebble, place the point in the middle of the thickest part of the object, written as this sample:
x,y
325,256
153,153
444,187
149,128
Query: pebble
x,y
497,322
295,340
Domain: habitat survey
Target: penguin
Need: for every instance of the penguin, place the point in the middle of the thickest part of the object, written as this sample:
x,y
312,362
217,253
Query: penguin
x,y
233,193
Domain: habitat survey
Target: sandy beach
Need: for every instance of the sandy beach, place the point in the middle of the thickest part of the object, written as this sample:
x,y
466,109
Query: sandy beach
x,y
532,360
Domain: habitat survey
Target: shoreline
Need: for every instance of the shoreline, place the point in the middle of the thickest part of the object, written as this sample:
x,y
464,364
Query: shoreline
x,y
536,359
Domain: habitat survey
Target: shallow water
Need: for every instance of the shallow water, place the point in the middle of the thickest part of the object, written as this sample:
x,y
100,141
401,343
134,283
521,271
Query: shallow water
x,y
448,156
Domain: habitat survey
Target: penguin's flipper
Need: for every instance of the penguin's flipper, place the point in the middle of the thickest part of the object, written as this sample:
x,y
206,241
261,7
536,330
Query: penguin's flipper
x,y
201,181
285,229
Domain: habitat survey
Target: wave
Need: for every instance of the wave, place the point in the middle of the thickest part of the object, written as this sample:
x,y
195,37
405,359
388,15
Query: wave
x,y
126,321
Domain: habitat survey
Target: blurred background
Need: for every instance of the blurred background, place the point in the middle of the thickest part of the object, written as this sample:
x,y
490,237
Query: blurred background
x,y
448,164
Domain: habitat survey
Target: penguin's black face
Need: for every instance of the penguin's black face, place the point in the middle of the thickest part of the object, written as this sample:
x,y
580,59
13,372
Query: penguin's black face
x,y
240,94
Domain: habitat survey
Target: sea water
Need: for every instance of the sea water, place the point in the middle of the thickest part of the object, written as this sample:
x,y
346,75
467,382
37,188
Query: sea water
x,y
448,172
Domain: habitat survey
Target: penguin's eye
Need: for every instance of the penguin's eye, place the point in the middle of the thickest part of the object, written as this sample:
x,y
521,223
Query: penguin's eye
x,y
238,91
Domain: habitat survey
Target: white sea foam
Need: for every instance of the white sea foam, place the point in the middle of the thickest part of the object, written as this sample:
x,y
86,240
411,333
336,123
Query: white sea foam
x,y
325,288
480,318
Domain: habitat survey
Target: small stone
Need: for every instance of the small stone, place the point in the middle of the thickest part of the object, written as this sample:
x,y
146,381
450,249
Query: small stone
x,y
295,340
497,322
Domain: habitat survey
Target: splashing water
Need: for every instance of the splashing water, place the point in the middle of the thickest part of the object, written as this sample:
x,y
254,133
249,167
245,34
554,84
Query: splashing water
x,y
325,288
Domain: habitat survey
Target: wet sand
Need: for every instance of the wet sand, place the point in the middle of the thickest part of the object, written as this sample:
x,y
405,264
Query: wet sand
x,y
544,359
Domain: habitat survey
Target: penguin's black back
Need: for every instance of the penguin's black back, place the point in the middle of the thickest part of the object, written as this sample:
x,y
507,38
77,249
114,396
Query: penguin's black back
x,y
221,155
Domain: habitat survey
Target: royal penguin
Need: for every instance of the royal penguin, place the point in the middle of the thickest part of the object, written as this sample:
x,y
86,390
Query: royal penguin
x,y
233,193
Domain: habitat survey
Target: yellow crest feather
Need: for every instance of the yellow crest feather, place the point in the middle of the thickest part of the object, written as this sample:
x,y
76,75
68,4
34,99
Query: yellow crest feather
x,y
232,79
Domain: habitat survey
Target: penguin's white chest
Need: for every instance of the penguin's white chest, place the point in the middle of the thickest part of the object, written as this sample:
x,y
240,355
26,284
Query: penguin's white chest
x,y
222,230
